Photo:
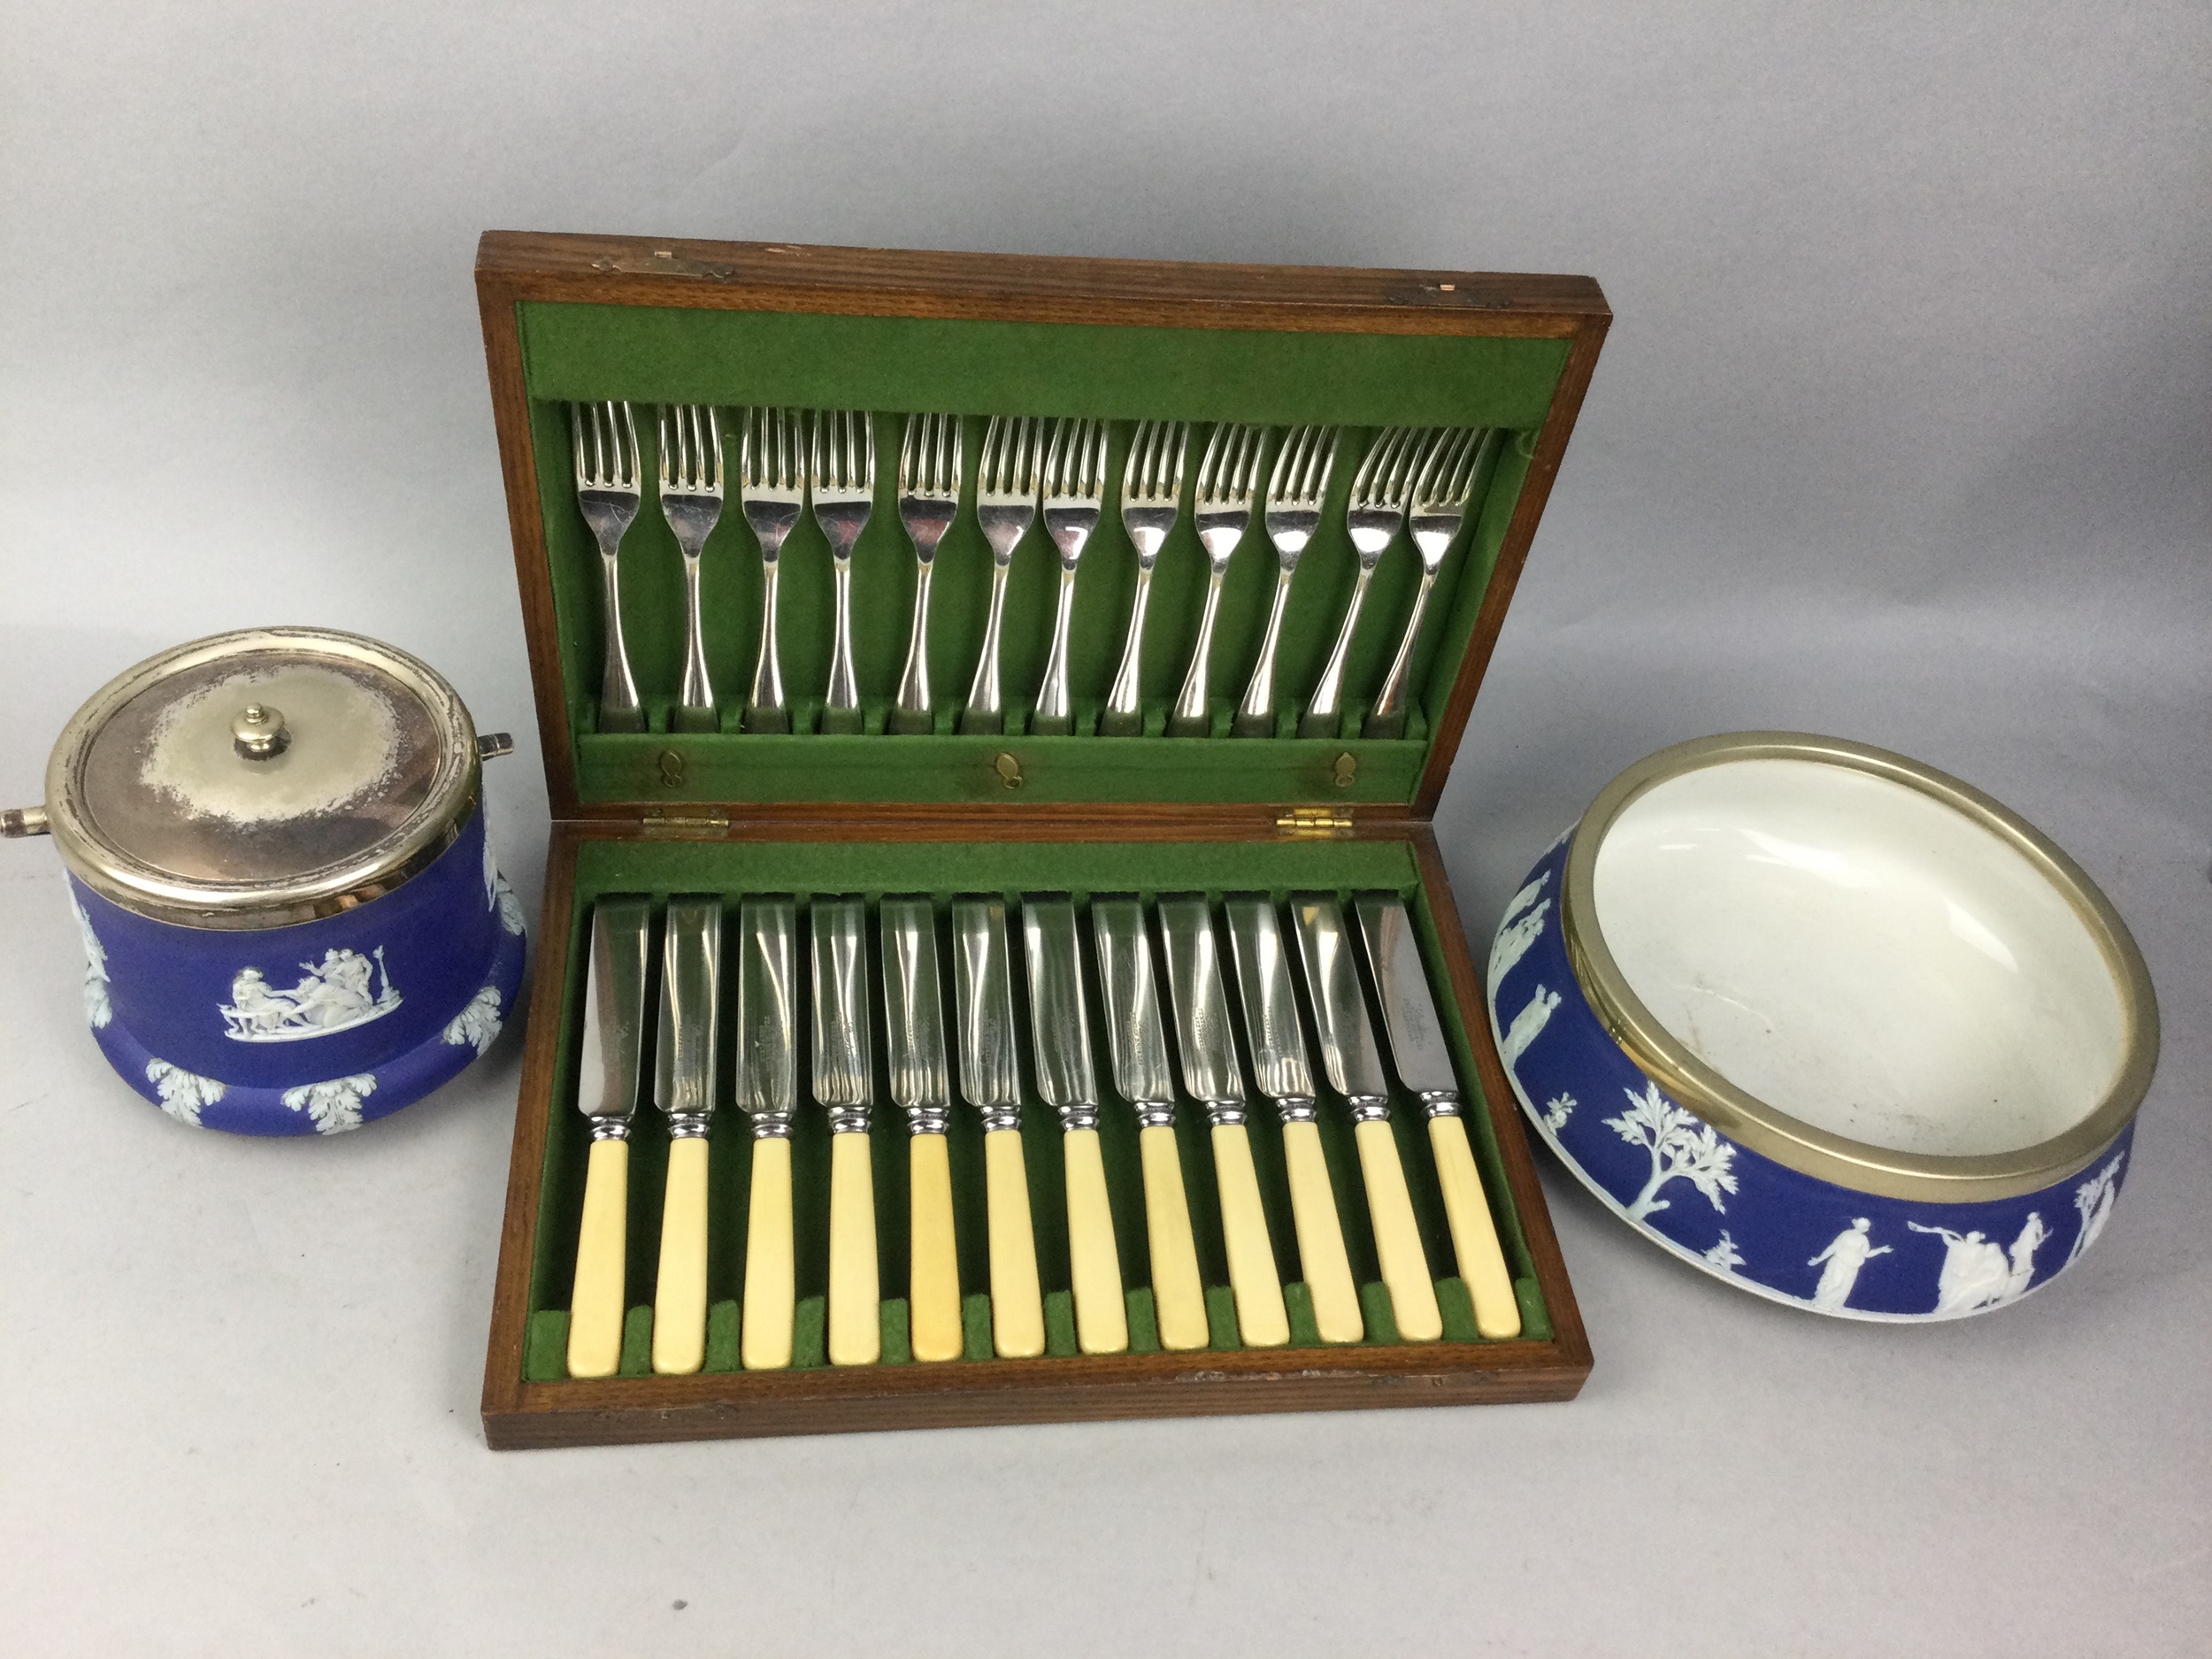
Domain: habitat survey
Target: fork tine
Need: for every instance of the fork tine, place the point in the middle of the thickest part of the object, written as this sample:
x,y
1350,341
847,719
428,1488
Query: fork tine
x,y
630,453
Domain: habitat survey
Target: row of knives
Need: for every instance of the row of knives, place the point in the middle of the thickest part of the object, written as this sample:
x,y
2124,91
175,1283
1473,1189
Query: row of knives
x,y
1327,946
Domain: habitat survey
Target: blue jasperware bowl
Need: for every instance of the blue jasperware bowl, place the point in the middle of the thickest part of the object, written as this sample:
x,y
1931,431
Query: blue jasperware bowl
x,y
1828,1025
292,920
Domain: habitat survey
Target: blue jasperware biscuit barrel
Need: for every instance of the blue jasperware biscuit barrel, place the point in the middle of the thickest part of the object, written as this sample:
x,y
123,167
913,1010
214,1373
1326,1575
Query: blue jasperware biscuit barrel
x,y
293,922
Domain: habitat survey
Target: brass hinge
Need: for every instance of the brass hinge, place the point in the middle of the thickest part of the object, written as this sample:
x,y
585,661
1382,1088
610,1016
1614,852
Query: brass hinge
x,y
684,826
1314,823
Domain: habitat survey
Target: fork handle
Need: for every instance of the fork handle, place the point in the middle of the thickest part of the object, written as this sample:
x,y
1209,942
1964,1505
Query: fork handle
x,y
1052,719
911,714
1191,716
620,710
695,712
1387,718
985,713
764,711
1256,715
842,715
1327,706
1125,707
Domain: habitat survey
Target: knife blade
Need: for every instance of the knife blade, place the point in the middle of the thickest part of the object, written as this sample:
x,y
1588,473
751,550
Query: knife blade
x,y
1137,1050
844,1084
1060,1035
1423,1059
608,1078
683,1088
921,1085
990,1082
1355,1070
768,1092
1277,1043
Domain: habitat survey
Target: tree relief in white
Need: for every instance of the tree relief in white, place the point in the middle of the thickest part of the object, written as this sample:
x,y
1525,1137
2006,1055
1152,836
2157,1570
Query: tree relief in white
x,y
2093,1199
1682,1148
335,1107
97,1010
183,1094
1978,1272
1527,1023
497,894
1839,1264
338,995
479,1023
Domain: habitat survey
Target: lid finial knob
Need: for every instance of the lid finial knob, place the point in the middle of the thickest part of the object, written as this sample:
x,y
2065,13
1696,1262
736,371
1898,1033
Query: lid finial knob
x,y
259,731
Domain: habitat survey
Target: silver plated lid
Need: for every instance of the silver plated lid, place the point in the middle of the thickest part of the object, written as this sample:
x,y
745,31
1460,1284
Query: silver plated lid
x,y
262,777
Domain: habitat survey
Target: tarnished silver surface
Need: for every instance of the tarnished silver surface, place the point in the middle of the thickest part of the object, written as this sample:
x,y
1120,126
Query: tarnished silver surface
x,y
1417,1048
608,1068
1074,498
1228,477
1295,490
1349,1057
842,486
1206,1044
1007,482
983,992
691,980
914,1014
690,439
604,438
1441,495
1136,1040
772,493
843,1080
1151,497
1372,518
929,500
1060,1028
1271,1026
767,1013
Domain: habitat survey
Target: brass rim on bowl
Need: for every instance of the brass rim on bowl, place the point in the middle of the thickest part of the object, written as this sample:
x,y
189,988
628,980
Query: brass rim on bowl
x,y
1789,1140
112,871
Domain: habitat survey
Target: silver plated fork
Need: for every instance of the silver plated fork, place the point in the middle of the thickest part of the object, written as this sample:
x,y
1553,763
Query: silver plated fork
x,y
1227,478
1295,491
842,481
1074,496
1441,495
1007,479
929,500
772,491
691,501
1378,508
604,437
1151,496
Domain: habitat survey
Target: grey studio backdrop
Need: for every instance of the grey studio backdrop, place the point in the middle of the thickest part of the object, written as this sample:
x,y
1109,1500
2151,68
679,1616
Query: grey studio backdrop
x,y
1900,434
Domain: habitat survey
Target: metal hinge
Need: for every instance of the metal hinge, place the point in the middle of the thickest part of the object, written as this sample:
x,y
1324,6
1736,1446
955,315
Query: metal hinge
x,y
685,826
1314,823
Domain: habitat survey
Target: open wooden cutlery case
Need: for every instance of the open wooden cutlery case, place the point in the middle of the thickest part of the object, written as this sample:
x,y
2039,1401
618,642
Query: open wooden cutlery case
x,y
733,814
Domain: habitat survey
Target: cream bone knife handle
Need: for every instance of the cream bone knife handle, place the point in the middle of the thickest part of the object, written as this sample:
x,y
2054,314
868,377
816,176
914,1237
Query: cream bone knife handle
x,y
765,1342
1018,1310
1178,1296
1474,1230
595,1309
1405,1264
1321,1255
934,1265
1262,1319
1101,1314
683,1088
680,1294
855,1323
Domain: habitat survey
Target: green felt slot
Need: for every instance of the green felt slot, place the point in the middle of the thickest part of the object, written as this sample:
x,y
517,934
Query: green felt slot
x,y
944,870
1359,382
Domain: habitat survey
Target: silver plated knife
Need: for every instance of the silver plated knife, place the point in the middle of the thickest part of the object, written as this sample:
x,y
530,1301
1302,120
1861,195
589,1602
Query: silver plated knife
x,y
990,1082
844,1085
921,1085
683,1088
607,1082
768,1094
1423,1062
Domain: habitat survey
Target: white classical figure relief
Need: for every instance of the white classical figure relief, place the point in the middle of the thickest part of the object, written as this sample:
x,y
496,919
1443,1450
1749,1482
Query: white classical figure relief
x,y
477,1023
183,1094
1557,1110
1724,1254
498,896
2093,1199
338,995
1683,1147
98,1011
1839,1264
1513,941
335,1106
1526,1024
1978,1272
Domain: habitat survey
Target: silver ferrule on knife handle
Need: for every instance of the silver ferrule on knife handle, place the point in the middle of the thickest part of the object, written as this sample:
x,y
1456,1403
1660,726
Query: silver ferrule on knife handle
x,y
1154,1114
1442,1103
1369,1109
850,1120
1223,1114
928,1120
1298,1109
611,1129
771,1125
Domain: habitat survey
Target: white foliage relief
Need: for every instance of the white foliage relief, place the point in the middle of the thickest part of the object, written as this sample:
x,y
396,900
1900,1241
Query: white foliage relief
x,y
1527,1023
498,896
1557,1110
477,1023
1725,1255
183,1094
97,1010
1978,1272
2094,1198
1839,1264
335,1106
1681,1148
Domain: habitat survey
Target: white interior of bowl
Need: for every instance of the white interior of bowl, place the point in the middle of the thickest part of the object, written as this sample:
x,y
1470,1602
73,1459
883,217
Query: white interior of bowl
x,y
1860,956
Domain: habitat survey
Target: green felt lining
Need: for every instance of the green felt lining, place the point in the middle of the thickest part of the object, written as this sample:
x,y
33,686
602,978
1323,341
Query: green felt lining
x,y
1359,382
946,870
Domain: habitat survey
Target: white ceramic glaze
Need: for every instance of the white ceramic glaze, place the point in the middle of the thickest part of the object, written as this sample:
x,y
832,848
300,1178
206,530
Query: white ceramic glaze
x,y
1861,955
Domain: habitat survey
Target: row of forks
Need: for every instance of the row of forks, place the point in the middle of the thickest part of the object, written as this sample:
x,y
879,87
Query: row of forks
x,y
1419,479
